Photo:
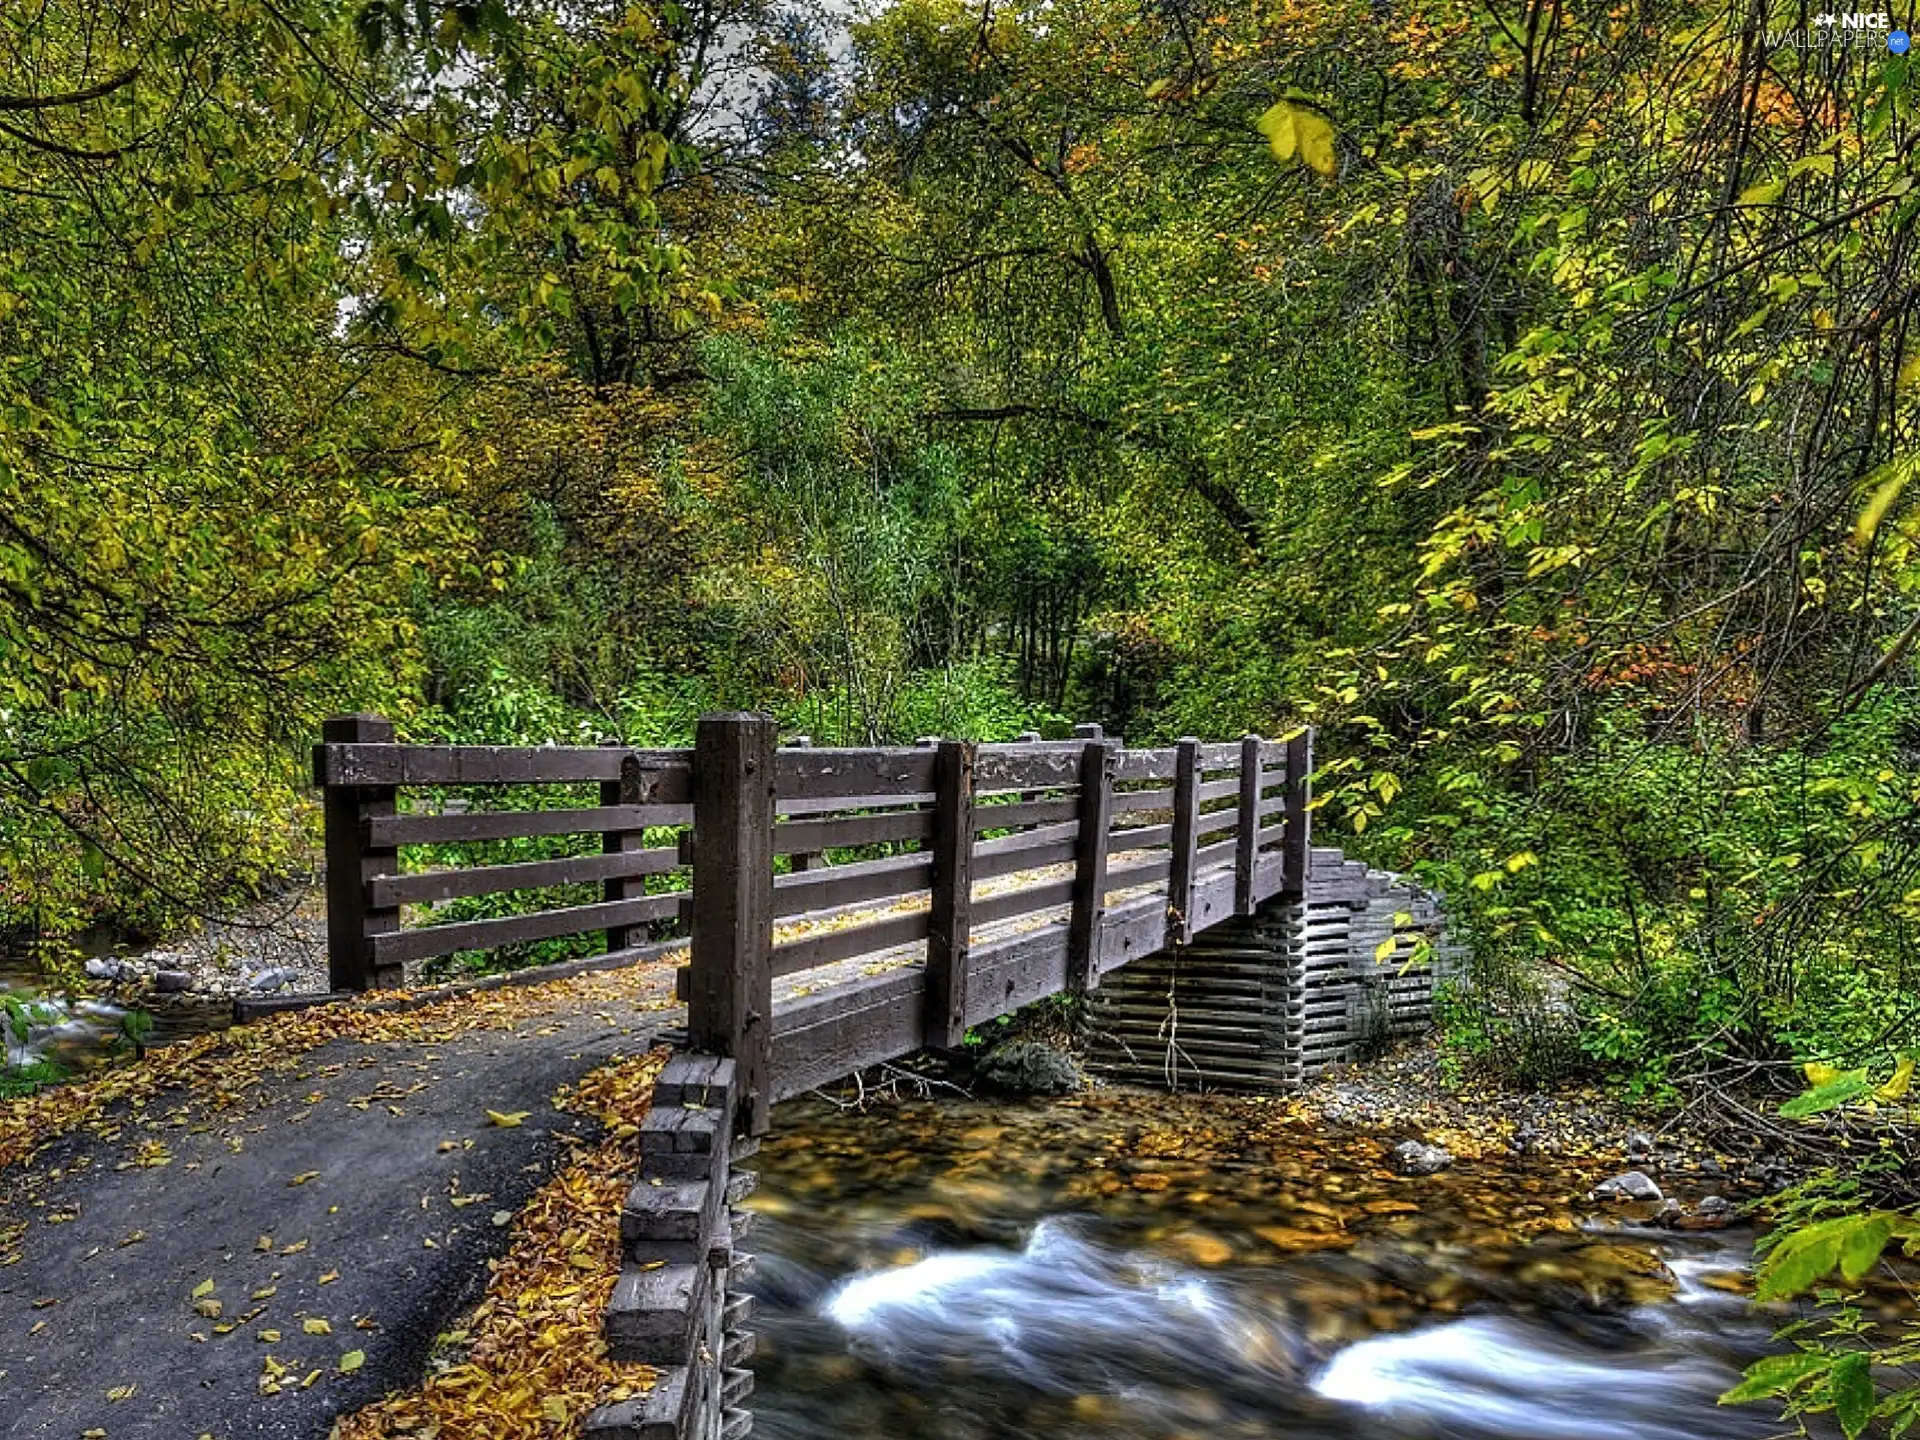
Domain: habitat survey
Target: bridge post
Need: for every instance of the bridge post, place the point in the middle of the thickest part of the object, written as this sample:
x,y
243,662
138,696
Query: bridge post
x,y
1297,843
949,926
730,991
352,862
617,842
1246,855
1186,841
1099,758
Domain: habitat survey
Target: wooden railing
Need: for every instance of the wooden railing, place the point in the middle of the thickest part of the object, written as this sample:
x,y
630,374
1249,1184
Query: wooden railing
x,y
916,890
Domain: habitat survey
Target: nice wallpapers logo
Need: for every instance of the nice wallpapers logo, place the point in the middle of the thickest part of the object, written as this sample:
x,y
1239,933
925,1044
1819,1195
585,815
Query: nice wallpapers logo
x,y
1833,29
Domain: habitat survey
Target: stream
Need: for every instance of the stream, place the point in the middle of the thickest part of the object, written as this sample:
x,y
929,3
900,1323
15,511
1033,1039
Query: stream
x,y
1155,1267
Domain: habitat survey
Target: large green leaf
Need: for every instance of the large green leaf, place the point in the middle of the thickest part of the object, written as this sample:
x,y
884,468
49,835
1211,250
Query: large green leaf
x,y
1778,1375
1853,1392
1830,1096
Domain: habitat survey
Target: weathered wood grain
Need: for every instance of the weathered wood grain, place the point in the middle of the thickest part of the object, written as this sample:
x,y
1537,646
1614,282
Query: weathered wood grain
x,y
386,891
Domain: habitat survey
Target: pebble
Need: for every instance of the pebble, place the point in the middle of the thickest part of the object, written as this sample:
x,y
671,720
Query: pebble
x,y
1633,1185
169,981
1410,1157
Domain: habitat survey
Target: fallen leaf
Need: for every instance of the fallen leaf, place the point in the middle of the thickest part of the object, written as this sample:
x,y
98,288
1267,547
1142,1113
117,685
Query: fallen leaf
x,y
316,1326
507,1119
352,1361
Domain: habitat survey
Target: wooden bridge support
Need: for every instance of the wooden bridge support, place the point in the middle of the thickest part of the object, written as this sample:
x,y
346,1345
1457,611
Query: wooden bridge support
x,y
1269,1001
677,1306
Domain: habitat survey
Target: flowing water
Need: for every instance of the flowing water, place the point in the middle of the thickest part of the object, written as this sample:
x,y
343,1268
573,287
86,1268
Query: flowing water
x,y
1153,1267
41,1024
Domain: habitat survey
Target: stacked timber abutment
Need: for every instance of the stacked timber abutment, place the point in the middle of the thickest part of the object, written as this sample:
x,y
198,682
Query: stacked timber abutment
x,y
1269,1001
678,1306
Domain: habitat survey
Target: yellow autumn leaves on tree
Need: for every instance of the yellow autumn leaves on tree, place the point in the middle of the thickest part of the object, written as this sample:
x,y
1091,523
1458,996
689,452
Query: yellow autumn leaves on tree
x,y
1296,131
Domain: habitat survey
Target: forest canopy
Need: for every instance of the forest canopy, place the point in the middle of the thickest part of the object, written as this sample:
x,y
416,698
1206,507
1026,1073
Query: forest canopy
x,y
1525,397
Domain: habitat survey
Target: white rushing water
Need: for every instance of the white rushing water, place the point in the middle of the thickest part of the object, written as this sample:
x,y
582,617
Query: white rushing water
x,y
1068,1317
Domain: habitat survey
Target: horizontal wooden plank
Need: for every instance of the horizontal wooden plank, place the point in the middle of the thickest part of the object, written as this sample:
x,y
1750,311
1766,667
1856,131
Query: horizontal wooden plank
x,y
1032,857
818,805
384,831
663,776
1220,755
1140,837
1016,971
1141,802
810,837
1026,767
1026,812
1141,872
431,885
1027,839
1147,764
808,774
401,946
1219,789
838,885
831,945
1213,893
1270,876
1027,900
1133,930
1215,821
830,1035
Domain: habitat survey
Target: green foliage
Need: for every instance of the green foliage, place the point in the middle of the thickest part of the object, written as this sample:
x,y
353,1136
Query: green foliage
x,y
1844,1362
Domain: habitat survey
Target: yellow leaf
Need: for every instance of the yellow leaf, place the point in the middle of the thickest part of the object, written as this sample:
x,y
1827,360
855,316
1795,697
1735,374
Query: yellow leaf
x,y
203,1289
1902,1081
1818,1074
1297,130
352,1361
1315,134
508,1119
1888,481
1277,125
316,1326
304,1177
1383,949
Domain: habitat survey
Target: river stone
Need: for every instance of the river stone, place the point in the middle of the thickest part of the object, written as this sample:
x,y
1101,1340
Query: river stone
x,y
169,981
1714,1205
1633,1185
265,982
1410,1157
1027,1067
104,969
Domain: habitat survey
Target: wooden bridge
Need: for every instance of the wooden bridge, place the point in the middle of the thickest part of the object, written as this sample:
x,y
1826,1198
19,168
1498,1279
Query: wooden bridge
x,y
838,909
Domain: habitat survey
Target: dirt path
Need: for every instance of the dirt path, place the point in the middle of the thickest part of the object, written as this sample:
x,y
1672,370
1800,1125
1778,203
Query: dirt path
x,y
342,1192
